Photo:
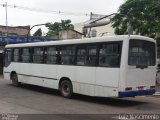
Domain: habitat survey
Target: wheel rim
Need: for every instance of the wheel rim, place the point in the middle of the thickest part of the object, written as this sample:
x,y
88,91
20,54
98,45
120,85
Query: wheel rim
x,y
14,80
65,89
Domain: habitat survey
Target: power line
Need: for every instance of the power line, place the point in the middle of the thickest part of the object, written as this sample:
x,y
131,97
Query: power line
x,y
46,11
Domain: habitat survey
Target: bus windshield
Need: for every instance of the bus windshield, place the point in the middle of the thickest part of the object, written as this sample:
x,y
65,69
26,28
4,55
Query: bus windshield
x,y
141,53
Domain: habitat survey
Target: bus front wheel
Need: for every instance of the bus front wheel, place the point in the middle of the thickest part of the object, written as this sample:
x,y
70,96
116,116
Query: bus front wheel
x,y
66,89
14,79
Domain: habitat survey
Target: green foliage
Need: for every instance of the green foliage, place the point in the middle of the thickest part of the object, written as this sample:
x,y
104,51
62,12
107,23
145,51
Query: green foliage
x,y
58,26
142,15
38,33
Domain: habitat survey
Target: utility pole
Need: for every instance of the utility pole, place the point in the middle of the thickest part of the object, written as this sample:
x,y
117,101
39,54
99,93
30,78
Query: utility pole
x,y
5,5
89,34
7,21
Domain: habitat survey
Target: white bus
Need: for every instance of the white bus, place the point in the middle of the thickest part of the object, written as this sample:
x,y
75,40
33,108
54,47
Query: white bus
x,y
113,66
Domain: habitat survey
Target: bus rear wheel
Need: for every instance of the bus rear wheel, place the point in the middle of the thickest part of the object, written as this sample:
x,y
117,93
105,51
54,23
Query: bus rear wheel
x,y
66,89
14,79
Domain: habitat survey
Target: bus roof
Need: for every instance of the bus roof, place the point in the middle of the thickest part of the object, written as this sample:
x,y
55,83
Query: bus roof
x,y
84,40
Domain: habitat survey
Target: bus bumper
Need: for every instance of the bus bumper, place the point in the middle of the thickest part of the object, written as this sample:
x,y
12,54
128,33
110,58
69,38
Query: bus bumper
x,y
136,93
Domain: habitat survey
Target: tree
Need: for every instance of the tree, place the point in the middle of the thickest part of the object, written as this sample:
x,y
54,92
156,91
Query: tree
x,y
142,15
38,32
58,26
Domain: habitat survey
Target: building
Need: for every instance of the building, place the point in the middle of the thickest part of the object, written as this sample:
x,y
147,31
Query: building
x,y
99,31
70,34
14,31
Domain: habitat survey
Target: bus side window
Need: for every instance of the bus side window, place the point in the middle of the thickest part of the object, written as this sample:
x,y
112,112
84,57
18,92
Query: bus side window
x,y
67,54
109,55
25,55
51,55
16,55
81,55
8,57
38,55
92,55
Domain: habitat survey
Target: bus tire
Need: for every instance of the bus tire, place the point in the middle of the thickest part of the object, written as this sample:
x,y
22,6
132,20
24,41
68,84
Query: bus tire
x,y
66,89
14,79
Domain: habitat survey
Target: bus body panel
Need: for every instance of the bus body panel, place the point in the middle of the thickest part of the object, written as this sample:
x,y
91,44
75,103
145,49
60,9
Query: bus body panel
x,y
85,80
140,78
6,75
107,81
66,71
123,67
83,88
36,74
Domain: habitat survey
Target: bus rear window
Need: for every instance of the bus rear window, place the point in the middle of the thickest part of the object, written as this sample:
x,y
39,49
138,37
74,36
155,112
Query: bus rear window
x,y
141,53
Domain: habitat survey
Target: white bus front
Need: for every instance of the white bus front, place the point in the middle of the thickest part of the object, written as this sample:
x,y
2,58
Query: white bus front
x,y
139,74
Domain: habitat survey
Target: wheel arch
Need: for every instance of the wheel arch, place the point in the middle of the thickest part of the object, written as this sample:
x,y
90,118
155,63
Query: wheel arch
x,y
64,78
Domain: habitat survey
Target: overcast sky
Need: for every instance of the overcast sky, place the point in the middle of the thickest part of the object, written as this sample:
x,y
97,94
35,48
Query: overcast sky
x,y
17,17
